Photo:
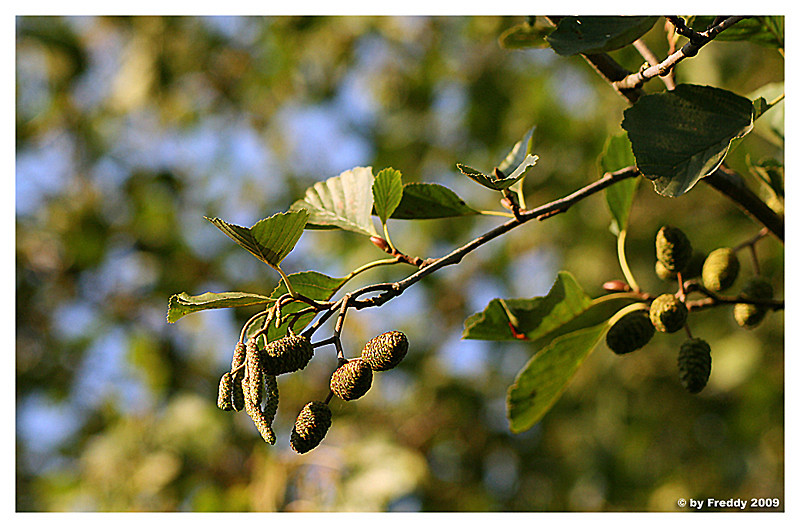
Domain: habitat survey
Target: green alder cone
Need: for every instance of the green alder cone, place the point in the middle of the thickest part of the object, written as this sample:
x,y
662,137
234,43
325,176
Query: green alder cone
x,y
225,392
287,354
385,351
352,380
631,332
668,314
311,426
720,269
673,248
693,269
750,315
694,364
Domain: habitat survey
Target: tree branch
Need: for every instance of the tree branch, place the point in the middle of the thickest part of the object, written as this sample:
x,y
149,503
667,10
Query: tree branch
x,y
690,49
391,290
724,180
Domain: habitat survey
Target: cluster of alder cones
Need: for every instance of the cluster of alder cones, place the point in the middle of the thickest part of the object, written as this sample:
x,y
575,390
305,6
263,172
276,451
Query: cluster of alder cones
x,y
252,385
667,313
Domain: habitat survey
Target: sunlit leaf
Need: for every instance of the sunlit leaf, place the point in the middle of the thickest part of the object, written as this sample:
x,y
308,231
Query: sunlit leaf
x,y
769,125
182,304
312,284
387,192
518,153
344,202
270,239
545,377
597,34
681,135
498,183
564,309
430,200
619,197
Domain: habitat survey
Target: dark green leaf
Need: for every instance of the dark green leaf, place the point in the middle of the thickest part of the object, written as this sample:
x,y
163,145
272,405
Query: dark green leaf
x,y
313,285
619,197
524,36
499,183
764,30
430,200
270,239
387,191
182,304
596,34
344,202
545,377
681,135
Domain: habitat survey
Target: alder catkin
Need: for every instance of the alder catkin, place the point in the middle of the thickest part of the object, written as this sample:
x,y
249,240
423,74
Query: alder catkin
x,y
239,355
225,392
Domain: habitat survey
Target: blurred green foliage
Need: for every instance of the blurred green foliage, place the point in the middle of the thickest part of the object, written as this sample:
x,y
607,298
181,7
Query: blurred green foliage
x,y
130,130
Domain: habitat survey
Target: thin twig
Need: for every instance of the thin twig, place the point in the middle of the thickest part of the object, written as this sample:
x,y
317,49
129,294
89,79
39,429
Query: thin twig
x,y
690,49
651,59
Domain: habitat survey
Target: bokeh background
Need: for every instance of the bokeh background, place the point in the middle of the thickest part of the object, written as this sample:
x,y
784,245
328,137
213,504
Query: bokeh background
x,y
130,129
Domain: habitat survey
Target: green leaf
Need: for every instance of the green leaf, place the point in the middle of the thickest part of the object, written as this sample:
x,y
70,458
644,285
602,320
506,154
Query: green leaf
x,y
518,153
182,304
313,285
681,135
564,309
270,239
430,200
619,197
596,34
344,202
770,126
764,30
387,192
545,377
524,36
499,183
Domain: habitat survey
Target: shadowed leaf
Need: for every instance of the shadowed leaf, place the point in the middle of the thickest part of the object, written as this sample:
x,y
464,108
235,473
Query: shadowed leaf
x,y
597,34
430,200
681,135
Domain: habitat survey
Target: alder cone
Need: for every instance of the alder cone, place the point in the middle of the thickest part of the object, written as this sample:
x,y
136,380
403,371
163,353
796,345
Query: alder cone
x,y
225,392
352,380
287,354
310,427
673,248
694,364
720,269
385,351
693,269
750,315
633,331
668,314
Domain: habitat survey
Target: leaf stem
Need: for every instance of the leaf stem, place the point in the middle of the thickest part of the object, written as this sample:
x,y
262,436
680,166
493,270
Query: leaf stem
x,y
387,237
497,213
623,261
370,265
289,287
